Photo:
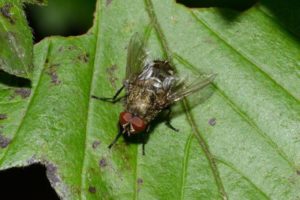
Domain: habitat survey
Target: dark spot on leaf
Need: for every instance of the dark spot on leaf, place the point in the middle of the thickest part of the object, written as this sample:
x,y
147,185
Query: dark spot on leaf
x,y
298,172
54,78
84,57
103,162
47,60
23,92
212,121
95,144
111,75
3,116
108,2
61,49
52,173
4,141
140,181
71,47
5,11
92,189
54,65
53,74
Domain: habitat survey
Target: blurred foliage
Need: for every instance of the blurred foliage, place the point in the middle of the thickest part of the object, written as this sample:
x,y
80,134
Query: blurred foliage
x,y
75,17
234,4
61,17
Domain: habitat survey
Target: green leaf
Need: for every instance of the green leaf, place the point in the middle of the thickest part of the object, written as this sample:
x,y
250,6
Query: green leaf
x,y
16,42
241,143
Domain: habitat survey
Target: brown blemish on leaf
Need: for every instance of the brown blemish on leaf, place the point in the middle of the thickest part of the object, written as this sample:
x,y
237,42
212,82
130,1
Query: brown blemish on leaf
x,y
54,65
92,189
3,116
53,74
140,182
54,78
84,57
67,48
23,92
52,173
111,75
60,49
95,144
71,47
4,141
108,2
102,163
5,11
212,121
298,172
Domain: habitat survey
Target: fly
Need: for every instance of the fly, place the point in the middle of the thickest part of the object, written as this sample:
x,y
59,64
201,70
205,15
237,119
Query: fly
x,y
150,87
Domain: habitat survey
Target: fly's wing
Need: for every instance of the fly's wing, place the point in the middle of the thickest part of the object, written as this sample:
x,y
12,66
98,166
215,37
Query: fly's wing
x,y
184,90
136,56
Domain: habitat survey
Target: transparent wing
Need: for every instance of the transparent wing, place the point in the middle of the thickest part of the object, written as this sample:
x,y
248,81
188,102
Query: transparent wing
x,y
183,90
136,56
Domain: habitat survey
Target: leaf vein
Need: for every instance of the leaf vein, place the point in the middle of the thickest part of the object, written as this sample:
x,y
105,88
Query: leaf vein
x,y
229,165
167,54
243,56
240,112
184,164
96,31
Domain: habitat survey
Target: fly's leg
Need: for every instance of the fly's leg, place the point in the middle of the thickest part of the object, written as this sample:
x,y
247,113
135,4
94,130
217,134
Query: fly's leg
x,y
113,99
144,140
168,121
143,149
116,139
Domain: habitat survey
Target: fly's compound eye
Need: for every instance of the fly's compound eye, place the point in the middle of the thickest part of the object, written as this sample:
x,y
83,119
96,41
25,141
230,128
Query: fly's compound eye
x,y
138,124
125,118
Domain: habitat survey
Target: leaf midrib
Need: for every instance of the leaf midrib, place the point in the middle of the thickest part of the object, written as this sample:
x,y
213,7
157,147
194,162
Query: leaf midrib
x,y
202,142
92,83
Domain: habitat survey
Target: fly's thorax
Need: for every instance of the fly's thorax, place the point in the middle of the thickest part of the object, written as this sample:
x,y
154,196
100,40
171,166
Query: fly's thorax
x,y
144,101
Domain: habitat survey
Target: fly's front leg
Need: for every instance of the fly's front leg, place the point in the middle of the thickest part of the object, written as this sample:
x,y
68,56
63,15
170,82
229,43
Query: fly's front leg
x,y
168,121
113,99
116,139
145,140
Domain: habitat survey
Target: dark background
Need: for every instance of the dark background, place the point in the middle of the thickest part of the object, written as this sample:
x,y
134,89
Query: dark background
x,y
75,17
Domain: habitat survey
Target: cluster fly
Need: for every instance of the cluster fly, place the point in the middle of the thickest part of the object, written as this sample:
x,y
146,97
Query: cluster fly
x,y
151,87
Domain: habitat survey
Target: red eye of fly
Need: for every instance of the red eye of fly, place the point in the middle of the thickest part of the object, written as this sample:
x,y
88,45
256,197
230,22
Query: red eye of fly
x,y
138,124
125,118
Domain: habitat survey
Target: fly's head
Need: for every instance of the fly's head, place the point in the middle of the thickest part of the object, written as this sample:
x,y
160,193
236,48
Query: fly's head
x,y
131,124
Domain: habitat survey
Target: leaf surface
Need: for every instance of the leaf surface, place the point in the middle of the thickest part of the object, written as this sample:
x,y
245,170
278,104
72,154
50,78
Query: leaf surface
x,y
241,143
16,44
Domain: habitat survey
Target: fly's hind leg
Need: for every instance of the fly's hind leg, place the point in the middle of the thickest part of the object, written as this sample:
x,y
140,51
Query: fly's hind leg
x,y
113,99
168,120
